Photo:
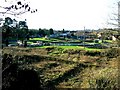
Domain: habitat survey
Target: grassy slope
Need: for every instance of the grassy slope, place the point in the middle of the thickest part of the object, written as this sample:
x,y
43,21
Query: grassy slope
x,y
73,47
93,72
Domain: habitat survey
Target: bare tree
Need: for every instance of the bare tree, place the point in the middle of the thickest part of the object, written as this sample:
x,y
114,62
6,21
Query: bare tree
x,y
17,8
114,17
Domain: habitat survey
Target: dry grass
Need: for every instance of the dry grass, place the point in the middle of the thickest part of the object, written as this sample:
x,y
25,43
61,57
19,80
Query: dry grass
x,y
104,76
91,77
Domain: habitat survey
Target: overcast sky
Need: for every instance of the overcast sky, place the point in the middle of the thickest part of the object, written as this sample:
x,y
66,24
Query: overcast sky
x,y
69,14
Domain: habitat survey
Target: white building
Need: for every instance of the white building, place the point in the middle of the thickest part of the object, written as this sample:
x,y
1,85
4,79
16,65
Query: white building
x,y
113,38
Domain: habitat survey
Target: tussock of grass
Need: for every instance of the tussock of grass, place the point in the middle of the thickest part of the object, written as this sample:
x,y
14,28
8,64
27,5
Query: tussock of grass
x,y
100,78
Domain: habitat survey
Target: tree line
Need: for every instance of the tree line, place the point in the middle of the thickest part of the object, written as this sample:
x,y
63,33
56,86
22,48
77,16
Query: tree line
x,y
19,31
41,32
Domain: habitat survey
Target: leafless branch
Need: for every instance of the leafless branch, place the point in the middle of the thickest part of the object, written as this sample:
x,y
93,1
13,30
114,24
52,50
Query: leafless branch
x,y
17,9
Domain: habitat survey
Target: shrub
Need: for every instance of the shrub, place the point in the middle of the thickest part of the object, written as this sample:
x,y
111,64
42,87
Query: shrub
x,y
111,53
93,53
7,60
50,48
105,83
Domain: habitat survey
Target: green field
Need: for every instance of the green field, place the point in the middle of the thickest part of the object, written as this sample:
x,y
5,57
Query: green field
x,y
63,47
73,47
44,39
109,41
53,39
38,39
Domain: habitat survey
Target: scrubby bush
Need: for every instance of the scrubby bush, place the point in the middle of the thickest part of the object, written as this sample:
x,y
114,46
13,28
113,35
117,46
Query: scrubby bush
x,y
73,51
111,53
106,83
19,79
50,48
92,53
6,60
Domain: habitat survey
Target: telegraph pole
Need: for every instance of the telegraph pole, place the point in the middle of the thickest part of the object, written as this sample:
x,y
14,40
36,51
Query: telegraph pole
x,y
84,38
